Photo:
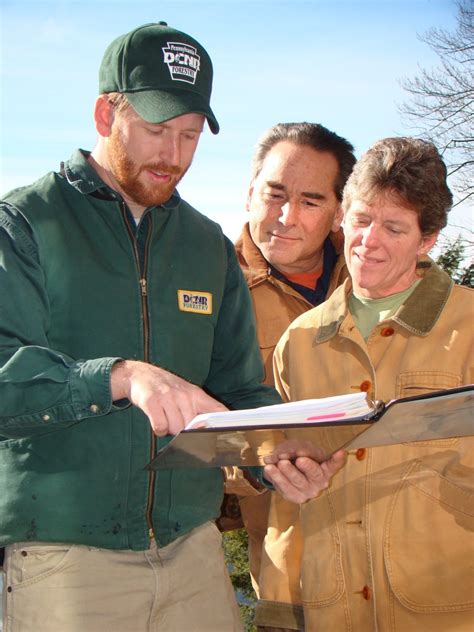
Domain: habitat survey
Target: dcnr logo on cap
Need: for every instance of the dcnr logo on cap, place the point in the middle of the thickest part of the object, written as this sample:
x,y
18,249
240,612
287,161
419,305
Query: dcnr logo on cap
x,y
182,60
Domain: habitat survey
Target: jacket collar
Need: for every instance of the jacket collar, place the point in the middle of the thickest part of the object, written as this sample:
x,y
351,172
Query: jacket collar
x,y
418,315
81,175
254,265
423,308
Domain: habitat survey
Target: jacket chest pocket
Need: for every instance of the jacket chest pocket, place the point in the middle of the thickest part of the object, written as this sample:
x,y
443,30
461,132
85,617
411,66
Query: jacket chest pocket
x,y
412,383
269,332
424,382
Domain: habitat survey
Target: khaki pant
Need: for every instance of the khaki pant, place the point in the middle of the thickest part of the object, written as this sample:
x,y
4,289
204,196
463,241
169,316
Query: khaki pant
x,y
182,587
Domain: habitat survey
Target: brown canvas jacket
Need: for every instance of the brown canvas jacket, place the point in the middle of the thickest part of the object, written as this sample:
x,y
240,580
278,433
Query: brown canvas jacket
x,y
389,547
276,303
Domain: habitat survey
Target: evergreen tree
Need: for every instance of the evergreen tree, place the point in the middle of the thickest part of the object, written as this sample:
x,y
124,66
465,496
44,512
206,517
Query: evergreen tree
x,y
452,261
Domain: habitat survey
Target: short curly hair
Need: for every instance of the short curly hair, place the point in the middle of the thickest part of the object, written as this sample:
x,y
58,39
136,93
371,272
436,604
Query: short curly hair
x,y
411,171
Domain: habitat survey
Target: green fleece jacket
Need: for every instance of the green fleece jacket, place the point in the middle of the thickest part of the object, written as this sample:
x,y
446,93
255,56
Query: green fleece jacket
x,y
81,287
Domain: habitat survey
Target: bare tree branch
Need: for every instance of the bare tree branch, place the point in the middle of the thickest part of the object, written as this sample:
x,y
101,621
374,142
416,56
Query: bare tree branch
x,y
441,103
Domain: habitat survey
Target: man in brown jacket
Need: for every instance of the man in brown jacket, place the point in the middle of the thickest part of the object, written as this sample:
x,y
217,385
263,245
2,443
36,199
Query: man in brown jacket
x,y
291,255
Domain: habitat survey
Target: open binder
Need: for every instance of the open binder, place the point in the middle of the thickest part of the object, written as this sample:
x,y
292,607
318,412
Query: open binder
x,y
264,435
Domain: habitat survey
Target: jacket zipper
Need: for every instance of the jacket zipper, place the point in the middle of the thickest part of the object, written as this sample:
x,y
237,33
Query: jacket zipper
x,y
146,351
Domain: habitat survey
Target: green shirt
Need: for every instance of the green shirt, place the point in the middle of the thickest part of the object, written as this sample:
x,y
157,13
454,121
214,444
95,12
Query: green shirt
x,y
369,312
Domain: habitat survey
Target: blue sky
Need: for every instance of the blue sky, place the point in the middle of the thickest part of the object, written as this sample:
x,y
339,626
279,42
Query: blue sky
x,y
336,62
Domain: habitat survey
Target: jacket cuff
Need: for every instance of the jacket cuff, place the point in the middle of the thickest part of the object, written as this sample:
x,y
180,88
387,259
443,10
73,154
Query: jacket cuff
x,y
280,615
90,387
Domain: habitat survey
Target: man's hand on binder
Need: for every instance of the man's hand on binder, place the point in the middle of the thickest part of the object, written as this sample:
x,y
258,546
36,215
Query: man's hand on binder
x,y
167,400
303,479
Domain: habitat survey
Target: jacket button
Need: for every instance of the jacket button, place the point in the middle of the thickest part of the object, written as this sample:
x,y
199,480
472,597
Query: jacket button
x,y
94,408
366,593
365,386
361,454
387,331
45,417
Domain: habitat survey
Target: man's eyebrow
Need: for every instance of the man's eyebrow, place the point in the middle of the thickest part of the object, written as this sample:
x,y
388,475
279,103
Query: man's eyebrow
x,y
276,185
396,222
192,128
313,195
196,127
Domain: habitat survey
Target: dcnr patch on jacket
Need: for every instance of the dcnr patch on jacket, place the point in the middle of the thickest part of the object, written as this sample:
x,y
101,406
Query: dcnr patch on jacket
x,y
196,302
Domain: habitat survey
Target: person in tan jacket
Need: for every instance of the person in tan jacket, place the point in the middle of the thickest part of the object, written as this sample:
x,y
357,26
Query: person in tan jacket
x,y
389,546
291,253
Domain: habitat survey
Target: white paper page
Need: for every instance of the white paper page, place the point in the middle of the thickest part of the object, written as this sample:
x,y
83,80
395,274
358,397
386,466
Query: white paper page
x,y
337,408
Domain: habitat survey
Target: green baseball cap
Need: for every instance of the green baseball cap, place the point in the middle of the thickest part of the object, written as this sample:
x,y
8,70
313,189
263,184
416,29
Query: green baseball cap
x,y
164,73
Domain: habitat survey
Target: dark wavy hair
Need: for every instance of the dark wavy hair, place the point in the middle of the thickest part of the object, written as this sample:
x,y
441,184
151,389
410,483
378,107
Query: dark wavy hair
x,y
312,135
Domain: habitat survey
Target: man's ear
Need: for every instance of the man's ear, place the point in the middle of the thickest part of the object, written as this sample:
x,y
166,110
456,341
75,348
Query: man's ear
x,y
427,242
337,221
249,196
103,115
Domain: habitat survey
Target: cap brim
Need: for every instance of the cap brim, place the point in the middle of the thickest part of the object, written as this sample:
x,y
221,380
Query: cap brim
x,y
158,106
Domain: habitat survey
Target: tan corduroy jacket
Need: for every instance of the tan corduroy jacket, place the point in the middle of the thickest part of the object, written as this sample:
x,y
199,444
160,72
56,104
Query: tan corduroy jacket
x,y
389,547
276,305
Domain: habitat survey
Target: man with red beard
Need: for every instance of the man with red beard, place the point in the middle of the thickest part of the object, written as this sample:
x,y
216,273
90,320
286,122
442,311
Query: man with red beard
x,y
126,315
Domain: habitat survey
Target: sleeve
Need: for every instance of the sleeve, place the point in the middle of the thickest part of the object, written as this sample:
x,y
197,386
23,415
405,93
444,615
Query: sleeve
x,y
236,372
39,386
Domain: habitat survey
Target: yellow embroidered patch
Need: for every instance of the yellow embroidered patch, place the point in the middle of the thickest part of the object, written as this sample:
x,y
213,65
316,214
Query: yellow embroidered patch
x,y
196,302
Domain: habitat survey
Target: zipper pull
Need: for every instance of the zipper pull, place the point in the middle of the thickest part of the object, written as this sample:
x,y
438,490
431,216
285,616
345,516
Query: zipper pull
x,y
143,286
